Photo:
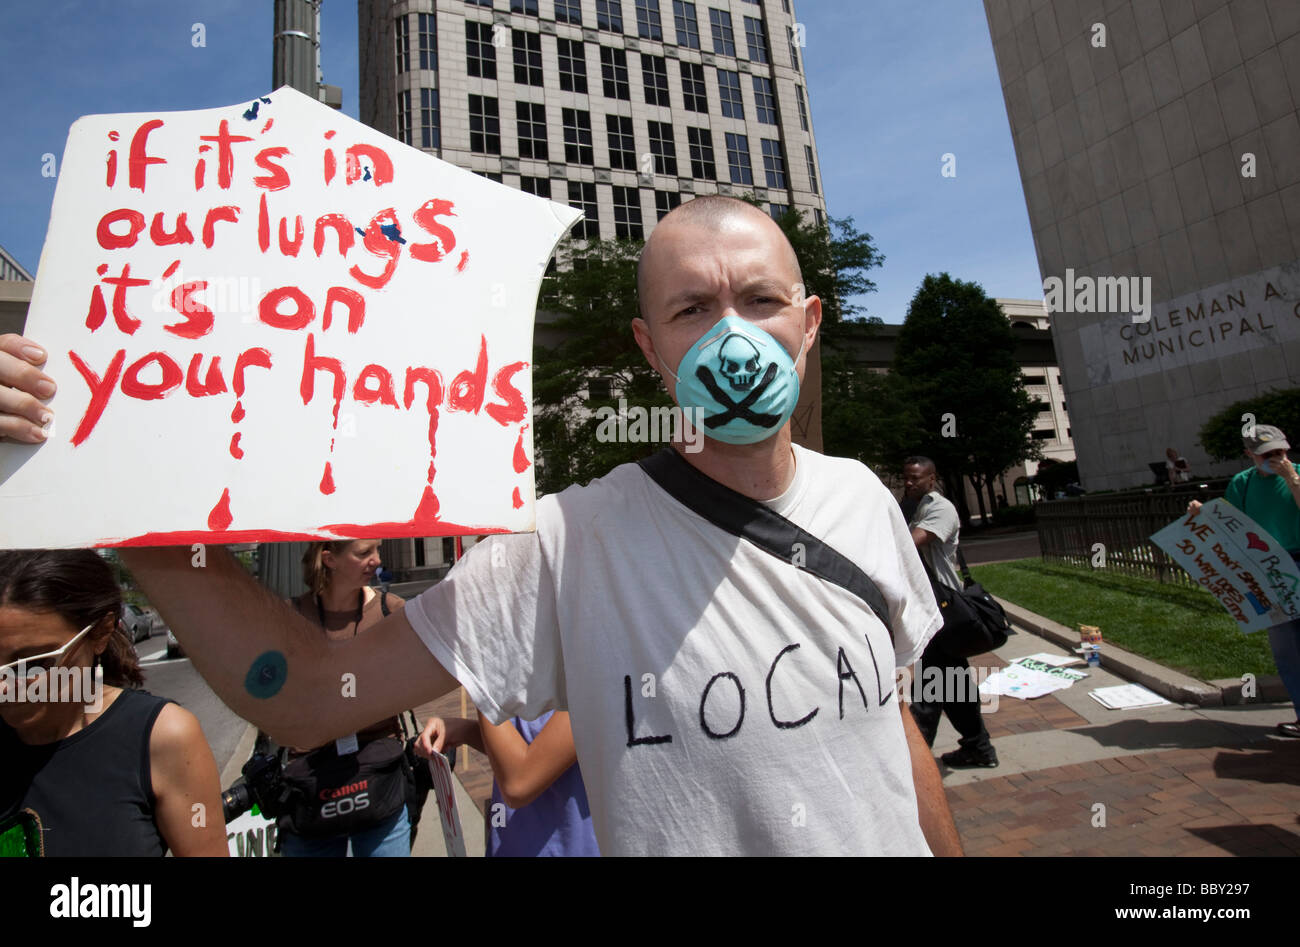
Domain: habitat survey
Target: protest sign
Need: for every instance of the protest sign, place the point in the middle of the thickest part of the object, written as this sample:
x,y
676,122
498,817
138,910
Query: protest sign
x,y
251,835
1237,560
270,321
1027,678
448,812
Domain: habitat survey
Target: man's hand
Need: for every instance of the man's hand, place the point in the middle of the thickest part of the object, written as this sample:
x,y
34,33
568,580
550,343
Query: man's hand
x,y
1286,470
23,385
1193,507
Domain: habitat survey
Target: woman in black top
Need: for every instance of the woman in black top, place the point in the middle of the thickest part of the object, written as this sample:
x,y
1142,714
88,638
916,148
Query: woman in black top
x,y
109,769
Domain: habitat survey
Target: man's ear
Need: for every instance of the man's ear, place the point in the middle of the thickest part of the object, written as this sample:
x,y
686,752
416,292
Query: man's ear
x,y
641,332
812,318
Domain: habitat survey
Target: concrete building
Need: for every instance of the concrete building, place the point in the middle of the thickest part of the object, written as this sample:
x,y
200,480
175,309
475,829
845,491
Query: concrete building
x,y
15,294
1158,142
622,108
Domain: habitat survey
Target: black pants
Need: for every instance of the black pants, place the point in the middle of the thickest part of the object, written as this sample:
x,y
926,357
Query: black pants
x,y
944,685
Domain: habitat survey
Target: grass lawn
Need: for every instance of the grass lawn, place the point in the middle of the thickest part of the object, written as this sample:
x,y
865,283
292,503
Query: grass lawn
x,y
1181,628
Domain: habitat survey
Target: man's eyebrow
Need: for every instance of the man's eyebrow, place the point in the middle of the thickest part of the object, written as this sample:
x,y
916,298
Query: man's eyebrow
x,y
677,300
766,284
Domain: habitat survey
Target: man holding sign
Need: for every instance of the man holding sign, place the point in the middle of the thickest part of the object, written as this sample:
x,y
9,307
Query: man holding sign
x,y
1269,493
724,700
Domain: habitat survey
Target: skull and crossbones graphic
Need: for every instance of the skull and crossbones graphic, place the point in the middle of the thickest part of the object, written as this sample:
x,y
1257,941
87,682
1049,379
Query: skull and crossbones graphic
x,y
738,364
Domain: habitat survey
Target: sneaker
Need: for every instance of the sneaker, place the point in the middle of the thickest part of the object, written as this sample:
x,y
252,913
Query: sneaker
x,y
1289,729
964,758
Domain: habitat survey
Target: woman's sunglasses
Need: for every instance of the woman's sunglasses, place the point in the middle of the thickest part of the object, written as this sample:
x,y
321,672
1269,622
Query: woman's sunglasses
x,y
39,664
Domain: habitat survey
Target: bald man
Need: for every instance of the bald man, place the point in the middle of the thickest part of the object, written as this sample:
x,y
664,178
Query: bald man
x,y
723,701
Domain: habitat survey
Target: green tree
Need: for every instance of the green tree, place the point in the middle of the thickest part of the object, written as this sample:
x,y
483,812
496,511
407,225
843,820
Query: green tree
x,y
1221,434
834,258
591,361
956,356
865,414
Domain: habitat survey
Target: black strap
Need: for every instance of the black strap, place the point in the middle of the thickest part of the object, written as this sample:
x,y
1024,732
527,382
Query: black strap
x,y
762,526
966,577
383,603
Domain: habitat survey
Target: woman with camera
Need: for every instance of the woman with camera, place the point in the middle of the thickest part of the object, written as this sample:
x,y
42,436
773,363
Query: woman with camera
x,y
356,789
104,767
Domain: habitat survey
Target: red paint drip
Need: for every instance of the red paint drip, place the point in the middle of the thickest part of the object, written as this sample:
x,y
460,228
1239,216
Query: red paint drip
x,y
464,259
236,451
521,459
427,511
219,519
517,500
267,127
238,414
327,480
170,270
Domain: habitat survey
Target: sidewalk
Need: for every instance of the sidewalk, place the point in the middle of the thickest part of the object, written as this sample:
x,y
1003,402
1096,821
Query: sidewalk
x,y
1078,779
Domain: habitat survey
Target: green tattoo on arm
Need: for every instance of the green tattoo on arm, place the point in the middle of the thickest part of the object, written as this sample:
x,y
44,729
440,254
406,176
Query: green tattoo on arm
x,y
267,675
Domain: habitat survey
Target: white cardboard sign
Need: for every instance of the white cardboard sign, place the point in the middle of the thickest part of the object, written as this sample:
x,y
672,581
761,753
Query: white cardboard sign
x,y
448,812
1238,561
270,321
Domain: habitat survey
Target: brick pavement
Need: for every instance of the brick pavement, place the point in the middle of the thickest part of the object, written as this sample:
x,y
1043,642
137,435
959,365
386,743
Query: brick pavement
x,y
1206,801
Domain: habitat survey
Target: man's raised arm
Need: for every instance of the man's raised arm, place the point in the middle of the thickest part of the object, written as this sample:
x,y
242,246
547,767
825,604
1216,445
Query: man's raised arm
x,y
273,667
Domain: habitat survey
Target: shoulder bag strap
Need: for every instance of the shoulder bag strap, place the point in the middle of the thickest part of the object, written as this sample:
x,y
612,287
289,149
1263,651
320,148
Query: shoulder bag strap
x,y
383,603
762,526
966,577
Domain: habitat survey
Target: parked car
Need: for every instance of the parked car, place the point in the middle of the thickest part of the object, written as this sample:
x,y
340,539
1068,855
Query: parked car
x,y
174,649
139,625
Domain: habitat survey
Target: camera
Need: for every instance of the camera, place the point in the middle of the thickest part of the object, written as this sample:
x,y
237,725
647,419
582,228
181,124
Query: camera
x,y
262,784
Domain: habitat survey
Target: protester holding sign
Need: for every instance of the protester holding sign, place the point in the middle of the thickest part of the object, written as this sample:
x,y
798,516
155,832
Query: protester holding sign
x,y
724,700
539,804
1269,492
109,769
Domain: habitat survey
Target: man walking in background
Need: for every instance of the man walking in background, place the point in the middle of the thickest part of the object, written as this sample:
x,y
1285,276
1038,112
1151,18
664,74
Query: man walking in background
x,y
935,527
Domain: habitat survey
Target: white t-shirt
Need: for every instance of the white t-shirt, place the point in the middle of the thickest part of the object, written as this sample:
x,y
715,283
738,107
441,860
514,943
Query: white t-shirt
x,y
723,702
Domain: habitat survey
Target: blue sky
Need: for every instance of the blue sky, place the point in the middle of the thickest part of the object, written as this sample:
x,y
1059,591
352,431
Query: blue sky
x,y
893,86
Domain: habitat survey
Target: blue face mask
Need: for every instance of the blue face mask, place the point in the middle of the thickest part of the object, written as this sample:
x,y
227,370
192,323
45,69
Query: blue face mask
x,y
738,381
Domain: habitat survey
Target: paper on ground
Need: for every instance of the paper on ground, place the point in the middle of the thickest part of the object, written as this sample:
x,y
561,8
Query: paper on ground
x,y
1027,678
1055,660
1127,697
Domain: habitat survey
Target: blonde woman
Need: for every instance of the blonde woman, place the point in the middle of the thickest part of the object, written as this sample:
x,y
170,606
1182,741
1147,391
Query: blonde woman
x,y
341,601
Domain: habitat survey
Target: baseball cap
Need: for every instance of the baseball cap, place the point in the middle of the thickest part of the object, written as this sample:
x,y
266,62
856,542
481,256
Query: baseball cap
x,y
1266,438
